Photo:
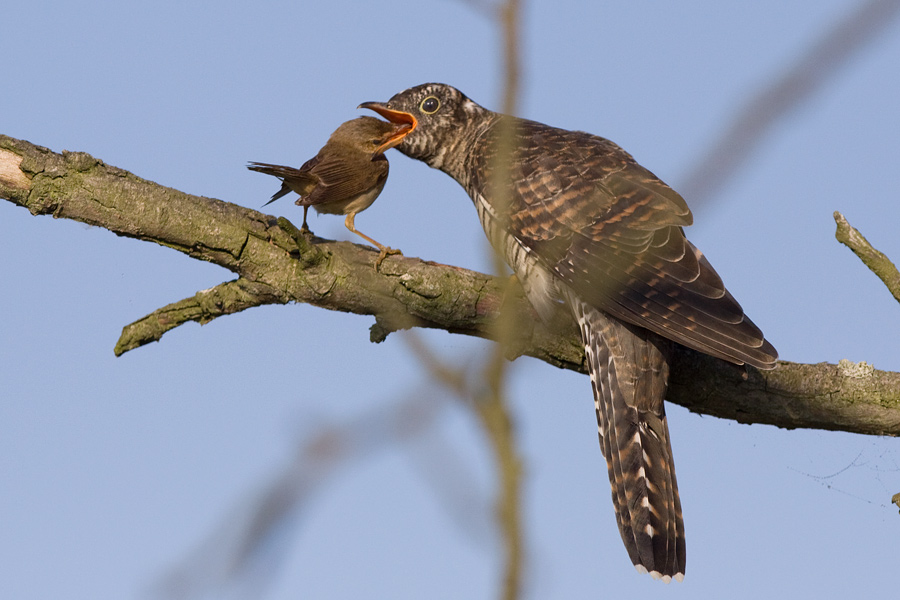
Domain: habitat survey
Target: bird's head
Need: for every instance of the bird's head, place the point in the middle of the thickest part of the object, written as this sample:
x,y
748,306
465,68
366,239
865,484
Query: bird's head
x,y
369,134
437,115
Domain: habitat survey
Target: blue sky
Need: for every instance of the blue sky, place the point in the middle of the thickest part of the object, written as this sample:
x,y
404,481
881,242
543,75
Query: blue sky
x,y
114,470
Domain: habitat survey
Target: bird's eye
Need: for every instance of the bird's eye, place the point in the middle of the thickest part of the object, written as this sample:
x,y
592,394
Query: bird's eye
x,y
430,105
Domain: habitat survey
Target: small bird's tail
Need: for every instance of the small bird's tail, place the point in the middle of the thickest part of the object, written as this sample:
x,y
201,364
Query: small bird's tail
x,y
629,371
287,175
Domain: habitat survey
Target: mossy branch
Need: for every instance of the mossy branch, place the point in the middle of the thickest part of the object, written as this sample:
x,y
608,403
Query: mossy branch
x,y
204,306
276,265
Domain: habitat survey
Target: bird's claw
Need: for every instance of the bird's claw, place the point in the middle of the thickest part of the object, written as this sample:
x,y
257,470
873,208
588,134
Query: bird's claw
x,y
383,254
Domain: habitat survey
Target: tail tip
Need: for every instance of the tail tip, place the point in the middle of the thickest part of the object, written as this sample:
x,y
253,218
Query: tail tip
x,y
679,577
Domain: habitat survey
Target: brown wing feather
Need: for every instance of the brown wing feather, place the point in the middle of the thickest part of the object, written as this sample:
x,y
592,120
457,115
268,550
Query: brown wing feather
x,y
338,176
613,232
326,177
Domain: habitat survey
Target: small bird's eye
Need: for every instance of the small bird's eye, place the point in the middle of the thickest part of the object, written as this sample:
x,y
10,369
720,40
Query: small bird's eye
x,y
430,105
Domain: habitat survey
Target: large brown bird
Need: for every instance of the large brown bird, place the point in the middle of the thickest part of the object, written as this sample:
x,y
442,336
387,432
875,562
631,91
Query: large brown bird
x,y
582,224
346,176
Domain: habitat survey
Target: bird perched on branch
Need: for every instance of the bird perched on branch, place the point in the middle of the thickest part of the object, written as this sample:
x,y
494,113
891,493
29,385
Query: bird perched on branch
x,y
584,226
346,176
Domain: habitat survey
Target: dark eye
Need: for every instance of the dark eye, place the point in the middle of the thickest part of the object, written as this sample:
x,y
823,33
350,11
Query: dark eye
x,y
430,105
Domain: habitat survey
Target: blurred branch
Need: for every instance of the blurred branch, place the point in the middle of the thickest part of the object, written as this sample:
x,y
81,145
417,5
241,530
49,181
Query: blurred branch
x,y
487,399
491,403
877,262
492,411
409,292
486,8
802,80
250,544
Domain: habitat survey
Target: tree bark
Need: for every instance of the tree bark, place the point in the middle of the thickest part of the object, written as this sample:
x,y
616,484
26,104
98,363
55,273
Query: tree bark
x,y
276,264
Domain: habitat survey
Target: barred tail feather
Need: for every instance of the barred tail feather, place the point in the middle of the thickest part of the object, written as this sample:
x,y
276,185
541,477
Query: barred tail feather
x,y
629,369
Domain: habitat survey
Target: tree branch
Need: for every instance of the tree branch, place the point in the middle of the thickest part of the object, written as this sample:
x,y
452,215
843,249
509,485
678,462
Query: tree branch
x,y
275,264
877,262
204,306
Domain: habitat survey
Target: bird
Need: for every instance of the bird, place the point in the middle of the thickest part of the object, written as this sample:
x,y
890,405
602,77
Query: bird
x,y
345,177
588,230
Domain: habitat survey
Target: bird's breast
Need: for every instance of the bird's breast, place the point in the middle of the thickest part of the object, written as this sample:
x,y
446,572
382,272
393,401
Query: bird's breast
x,y
541,287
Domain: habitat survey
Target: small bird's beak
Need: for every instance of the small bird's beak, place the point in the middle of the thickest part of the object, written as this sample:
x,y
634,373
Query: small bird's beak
x,y
407,121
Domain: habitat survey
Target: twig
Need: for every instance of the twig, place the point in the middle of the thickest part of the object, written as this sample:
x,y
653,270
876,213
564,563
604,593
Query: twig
x,y
877,262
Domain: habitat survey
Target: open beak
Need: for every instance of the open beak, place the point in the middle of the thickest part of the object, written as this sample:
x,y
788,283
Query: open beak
x,y
406,121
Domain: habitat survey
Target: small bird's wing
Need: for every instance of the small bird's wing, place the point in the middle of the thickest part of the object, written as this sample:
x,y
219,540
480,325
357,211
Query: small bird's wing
x,y
611,230
301,180
345,175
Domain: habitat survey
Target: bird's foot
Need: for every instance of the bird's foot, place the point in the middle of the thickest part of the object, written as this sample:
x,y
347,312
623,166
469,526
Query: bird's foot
x,y
383,254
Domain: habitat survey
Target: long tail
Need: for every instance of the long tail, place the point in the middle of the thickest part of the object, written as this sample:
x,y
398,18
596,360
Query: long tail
x,y
629,368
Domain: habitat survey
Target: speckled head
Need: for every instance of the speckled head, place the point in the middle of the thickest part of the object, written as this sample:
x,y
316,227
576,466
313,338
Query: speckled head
x,y
439,116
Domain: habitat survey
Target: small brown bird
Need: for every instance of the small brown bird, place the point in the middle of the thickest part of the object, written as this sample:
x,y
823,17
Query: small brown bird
x,y
347,174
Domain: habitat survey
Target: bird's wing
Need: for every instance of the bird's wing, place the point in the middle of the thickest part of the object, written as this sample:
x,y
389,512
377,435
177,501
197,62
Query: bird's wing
x,y
339,175
611,230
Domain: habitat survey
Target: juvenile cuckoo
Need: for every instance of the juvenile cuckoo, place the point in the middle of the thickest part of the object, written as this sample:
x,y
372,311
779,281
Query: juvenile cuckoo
x,y
584,226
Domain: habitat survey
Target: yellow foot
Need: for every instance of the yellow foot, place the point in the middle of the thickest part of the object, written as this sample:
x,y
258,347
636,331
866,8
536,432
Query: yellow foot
x,y
383,254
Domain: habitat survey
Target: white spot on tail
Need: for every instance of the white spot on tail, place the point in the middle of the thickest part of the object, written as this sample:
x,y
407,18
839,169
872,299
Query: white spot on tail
x,y
658,576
